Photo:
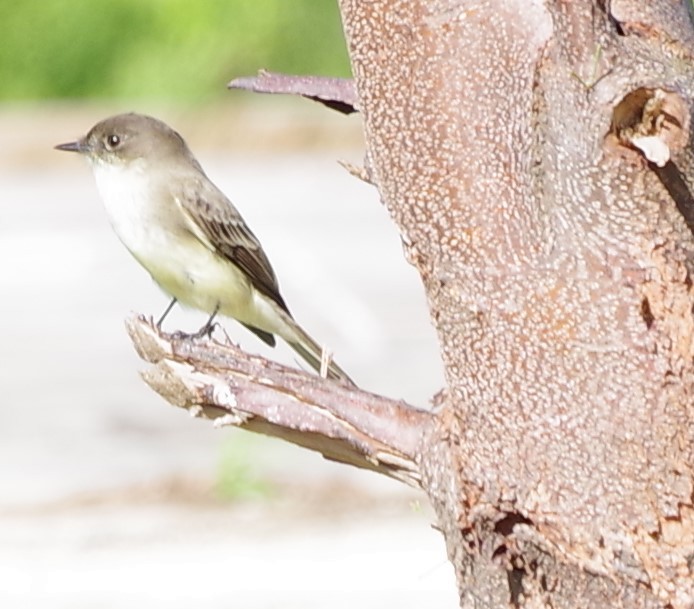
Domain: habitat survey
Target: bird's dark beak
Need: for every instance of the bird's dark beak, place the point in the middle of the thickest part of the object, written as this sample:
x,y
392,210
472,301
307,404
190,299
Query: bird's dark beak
x,y
78,146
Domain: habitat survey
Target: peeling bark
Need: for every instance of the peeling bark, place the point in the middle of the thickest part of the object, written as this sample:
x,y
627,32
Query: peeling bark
x,y
218,381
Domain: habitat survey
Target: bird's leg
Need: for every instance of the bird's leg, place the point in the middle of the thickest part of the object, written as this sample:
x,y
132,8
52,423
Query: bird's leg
x,y
168,309
207,329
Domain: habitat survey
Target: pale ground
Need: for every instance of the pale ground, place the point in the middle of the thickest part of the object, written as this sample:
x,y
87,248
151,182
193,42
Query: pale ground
x,y
107,496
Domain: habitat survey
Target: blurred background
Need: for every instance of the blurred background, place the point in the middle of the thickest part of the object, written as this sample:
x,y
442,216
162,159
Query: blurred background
x,y
110,497
166,49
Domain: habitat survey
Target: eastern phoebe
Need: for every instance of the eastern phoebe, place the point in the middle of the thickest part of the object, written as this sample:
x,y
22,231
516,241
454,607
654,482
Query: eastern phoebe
x,y
186,233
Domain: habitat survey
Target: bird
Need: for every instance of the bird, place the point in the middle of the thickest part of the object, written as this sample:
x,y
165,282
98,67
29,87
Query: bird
x,y
186,233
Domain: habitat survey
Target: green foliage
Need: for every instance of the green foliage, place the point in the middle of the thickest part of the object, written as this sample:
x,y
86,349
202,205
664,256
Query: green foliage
x,y
237,478
174,49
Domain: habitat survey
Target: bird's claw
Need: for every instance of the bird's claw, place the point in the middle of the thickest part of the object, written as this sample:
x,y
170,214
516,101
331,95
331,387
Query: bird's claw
x,y
206,331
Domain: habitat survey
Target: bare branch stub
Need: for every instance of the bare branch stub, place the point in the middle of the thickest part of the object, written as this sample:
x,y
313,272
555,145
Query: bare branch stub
x,y
221,382
656,122
337,93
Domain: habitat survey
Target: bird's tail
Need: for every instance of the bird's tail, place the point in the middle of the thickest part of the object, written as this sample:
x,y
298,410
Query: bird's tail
x,y
312,352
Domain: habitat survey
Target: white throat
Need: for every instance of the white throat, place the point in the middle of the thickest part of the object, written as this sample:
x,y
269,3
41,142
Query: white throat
x,y
126,192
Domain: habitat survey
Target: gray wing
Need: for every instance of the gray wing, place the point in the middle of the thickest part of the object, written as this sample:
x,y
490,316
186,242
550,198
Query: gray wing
x,y
213,219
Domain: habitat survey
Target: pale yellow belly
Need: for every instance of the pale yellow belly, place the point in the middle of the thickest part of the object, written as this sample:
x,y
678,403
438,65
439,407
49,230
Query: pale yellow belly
x,y
199,278
203,280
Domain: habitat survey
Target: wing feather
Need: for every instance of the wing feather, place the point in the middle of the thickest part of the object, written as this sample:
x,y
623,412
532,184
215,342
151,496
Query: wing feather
x,y
213,219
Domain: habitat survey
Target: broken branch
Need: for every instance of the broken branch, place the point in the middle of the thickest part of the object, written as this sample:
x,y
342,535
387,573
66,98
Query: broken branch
x,y
337,93
221,382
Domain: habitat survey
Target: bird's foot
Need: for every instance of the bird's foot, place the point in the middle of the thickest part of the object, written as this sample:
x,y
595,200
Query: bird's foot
x,y
204,332
179,335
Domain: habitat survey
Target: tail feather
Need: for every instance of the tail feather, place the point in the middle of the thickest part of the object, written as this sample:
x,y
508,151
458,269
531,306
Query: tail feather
x,y
311,352
266,337
274,319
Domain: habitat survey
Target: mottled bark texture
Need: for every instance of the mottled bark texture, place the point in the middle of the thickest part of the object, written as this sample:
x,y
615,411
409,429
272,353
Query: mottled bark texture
x,y
558,268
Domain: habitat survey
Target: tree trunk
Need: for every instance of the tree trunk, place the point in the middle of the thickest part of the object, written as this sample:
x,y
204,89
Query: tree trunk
x,y
536,159
558,272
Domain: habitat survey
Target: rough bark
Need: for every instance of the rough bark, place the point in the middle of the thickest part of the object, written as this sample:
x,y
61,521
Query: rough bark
x,y
536,158
558,274
216,380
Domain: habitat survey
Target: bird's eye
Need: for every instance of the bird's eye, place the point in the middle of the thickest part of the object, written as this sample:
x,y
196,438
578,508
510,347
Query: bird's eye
x,y
112,141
